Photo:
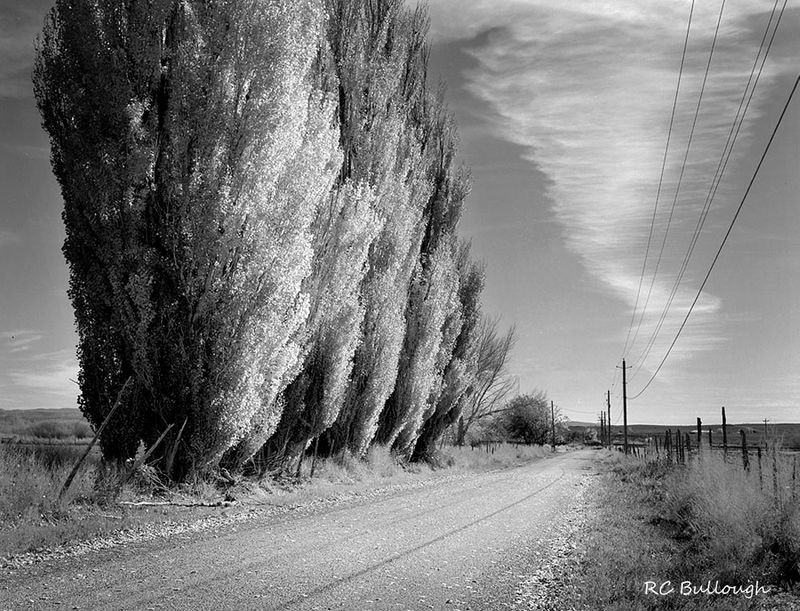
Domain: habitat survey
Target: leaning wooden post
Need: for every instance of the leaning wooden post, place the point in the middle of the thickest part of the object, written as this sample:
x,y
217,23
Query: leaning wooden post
x,y
745,457
99,432
710,442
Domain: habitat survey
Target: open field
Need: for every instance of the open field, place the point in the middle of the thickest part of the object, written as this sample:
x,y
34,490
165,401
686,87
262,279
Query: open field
x,y
52,424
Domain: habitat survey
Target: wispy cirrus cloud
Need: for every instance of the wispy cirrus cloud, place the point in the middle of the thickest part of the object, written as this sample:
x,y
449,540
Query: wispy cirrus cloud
x,y
18,340
587,89
31,377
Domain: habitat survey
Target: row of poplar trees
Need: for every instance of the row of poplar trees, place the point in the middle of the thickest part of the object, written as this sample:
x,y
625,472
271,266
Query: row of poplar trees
x,y
261,202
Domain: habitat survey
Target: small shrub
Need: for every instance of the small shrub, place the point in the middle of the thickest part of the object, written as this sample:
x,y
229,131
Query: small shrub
x,y
48,429
81,430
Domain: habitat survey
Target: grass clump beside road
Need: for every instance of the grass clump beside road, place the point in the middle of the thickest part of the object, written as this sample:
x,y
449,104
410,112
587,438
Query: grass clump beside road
x,y
31,517
708,523
30,514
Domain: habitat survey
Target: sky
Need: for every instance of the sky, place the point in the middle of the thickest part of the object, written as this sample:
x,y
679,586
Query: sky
x,y
564,112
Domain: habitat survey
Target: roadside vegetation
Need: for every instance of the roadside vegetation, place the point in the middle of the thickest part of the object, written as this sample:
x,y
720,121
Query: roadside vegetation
x,y
708,520
102,498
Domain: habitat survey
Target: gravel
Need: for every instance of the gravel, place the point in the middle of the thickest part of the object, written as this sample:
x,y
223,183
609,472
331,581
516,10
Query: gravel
x,y
230,514
547,588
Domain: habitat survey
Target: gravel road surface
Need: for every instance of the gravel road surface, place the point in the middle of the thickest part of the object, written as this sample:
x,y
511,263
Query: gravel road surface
x,y
477,542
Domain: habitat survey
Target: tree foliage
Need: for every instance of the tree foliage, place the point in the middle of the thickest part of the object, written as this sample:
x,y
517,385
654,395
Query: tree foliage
x,y
527,418
261,202
460,371
193,152
380,57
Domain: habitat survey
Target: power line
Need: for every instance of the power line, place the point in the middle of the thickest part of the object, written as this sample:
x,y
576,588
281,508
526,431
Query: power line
x,y
724,239
683,168
722,165
660,181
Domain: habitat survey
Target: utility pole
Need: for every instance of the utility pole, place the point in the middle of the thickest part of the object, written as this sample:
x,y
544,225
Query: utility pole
x,y
624,407
553,424
608,405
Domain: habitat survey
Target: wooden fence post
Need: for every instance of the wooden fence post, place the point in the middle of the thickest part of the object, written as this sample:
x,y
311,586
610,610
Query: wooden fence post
x,y
775,490
699,434
760,479
745,457
668,444
710,443
724,433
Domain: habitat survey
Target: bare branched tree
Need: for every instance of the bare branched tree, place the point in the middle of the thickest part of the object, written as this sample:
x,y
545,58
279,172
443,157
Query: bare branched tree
x,y
494,384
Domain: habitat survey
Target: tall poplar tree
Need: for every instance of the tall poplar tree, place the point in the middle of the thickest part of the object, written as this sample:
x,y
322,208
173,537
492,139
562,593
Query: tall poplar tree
x,y
193,152
380,55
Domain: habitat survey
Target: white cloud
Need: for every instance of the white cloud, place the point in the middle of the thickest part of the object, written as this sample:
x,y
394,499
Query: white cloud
x,y
587,89
32,379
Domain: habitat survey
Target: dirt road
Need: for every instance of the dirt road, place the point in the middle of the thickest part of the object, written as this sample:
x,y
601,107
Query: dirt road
x,y
468,543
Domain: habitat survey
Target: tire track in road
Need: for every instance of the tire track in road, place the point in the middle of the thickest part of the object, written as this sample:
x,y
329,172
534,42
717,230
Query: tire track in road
x,y
408,552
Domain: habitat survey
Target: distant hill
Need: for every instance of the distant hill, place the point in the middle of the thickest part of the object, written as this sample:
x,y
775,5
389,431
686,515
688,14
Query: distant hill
x,y
579,424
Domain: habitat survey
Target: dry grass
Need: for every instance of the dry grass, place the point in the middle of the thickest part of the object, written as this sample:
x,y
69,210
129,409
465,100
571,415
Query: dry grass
x,y
30,479
737,528
30,514
704,521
